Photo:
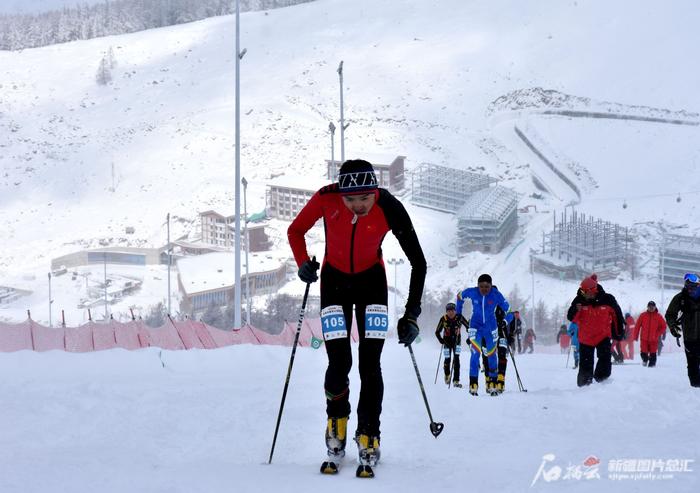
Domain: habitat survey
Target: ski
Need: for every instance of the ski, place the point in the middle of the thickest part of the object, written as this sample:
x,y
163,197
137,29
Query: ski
x,y
332,464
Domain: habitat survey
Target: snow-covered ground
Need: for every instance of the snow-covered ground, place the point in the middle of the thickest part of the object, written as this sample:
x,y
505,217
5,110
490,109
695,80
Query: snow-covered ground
x,y
114,420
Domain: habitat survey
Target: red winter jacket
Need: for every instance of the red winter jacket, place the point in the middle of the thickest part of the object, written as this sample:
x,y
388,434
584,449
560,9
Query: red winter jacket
x,y
650,326
594,323
354,244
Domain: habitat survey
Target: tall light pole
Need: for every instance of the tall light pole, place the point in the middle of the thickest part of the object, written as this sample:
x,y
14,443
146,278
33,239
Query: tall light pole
x,y
395,262
663,273
331,128
342,117
104,257
237,236
532,273
247,247
170,262
50,301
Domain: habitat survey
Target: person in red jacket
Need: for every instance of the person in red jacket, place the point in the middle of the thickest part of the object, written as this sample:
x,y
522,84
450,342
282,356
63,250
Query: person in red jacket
x,y
628,343
650,326
599,318
357,215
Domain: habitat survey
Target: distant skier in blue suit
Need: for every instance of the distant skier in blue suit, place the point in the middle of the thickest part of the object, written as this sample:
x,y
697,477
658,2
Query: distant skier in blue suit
x,y
573,332
483,329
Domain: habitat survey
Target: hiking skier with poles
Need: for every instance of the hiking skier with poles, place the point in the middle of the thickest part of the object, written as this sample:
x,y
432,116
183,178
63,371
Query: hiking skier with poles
x,y
357,214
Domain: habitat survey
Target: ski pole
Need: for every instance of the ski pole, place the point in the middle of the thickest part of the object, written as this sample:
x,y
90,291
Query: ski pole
x,y
289,370
567,357
435,428
517,374
437,370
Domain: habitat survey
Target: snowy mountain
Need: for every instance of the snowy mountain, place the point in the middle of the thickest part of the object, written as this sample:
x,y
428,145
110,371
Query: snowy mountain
x,y
438,82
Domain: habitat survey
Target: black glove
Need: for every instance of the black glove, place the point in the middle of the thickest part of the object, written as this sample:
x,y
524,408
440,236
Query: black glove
x,y
675,330
307,271
442,341
407,328
618,335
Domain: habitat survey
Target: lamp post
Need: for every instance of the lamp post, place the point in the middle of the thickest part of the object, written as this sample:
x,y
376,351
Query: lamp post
x,y
663,272
331,128
532,272
170,262
342,117
395,262
237,236
50,301
104,258
247,247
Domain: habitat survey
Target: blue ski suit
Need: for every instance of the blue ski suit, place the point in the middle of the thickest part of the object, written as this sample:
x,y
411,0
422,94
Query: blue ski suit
x,y
483,327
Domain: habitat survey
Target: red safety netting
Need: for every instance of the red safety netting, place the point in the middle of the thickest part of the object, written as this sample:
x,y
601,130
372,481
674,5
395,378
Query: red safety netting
x,y
174,334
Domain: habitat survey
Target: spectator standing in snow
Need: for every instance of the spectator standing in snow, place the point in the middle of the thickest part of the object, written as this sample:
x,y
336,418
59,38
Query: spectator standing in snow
x,y
529,340
628,343
598,317
563,338
649,328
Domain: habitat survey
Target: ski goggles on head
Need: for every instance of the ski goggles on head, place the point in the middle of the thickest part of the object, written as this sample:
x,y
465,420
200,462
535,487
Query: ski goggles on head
x,y
691,278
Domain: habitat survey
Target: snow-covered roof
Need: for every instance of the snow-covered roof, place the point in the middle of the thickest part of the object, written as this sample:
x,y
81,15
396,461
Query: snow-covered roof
x,y
217,270
489,203
308,183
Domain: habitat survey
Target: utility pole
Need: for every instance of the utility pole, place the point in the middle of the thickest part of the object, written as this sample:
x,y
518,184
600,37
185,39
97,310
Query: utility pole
x,y
342,117
395,262
170,263
663,272
331,128
237,276
104,257
50,301
532,273
247,248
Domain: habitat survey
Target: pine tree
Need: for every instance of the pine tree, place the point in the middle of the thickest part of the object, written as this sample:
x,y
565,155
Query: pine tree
x,y
104,75
156,315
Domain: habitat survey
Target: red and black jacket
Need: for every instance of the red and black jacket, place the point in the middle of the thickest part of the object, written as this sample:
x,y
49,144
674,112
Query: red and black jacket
x,y
355,244
598,318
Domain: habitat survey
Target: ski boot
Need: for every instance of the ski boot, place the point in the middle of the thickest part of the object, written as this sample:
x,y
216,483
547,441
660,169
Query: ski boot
x,y
457,384
491,388
501,383
447,378
473,385
368,450
336,437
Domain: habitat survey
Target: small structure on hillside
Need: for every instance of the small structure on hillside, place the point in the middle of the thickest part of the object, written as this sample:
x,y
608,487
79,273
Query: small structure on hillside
x,y
580,244
487,220
678,256
443,188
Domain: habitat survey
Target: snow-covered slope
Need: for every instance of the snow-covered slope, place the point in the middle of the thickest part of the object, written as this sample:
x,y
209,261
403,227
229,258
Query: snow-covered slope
x,y
118,421
419,76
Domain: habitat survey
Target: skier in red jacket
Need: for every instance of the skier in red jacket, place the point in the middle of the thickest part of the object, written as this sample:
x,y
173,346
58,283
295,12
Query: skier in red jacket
x,y
599,318
650,326
357,215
